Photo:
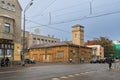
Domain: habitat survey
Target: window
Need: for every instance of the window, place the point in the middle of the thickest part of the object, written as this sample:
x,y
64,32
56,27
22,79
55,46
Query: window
x,y
7,27
1,53
38,41
13,7
8,6
2,45
60,54
75,35
2,4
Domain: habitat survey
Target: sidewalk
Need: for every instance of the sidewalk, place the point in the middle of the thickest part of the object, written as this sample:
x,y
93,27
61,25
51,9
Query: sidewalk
x,y
18,67
116,66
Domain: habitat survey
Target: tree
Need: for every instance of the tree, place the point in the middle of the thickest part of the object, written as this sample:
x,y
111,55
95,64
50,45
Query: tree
x,y
107,44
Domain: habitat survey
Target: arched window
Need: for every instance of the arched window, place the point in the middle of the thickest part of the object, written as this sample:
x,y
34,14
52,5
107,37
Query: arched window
x,y
8,6
13,7
2,4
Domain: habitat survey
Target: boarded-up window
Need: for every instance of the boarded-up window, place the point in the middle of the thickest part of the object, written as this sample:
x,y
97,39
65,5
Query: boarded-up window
x,y
60,54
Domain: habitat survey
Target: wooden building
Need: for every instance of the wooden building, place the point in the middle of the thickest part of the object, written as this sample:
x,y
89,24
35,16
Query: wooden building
x,y
60,52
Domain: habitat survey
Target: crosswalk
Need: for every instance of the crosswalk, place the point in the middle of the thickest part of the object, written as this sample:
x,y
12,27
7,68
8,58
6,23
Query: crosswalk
x,y
75,75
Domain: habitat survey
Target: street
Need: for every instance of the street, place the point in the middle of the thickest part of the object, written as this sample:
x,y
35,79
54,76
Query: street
x,y
62,72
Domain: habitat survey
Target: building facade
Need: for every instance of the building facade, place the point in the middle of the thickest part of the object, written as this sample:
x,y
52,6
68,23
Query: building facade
x,y
35,39
10,28
98,51
60,52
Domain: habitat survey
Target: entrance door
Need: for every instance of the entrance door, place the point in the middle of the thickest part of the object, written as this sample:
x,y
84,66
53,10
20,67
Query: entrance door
x,y
47,58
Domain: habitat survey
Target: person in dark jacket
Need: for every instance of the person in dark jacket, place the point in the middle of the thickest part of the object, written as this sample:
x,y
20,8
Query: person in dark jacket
x,y
110,61
2,62
7,61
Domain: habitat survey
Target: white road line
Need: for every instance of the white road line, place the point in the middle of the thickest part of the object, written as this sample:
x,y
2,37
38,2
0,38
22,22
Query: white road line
x,y
71,76
77,74
88,72
55,79
63,77
82,73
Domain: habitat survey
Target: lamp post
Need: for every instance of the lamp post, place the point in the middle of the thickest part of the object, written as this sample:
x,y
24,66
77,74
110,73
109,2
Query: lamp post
x,y
23,48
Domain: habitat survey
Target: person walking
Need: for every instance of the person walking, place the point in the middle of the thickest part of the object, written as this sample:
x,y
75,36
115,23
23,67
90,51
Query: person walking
x,y
7,61
110,61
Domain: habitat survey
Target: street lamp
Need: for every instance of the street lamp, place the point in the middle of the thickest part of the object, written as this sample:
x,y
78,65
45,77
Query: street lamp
x,y
26,8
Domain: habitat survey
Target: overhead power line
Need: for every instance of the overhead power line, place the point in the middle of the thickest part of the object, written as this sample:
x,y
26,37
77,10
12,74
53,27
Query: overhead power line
x,y
44,9
47,26
88,17
84,18
69,7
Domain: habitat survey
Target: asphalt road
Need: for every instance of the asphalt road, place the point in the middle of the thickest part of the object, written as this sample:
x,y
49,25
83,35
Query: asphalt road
x,y
62,72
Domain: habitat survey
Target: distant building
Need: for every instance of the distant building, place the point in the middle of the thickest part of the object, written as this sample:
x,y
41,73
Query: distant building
x,y
34,39
10,29
116,45
98,50
90,42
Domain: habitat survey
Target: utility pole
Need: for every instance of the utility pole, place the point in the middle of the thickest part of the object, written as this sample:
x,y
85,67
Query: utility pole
x,y
49,17
24,44
90,7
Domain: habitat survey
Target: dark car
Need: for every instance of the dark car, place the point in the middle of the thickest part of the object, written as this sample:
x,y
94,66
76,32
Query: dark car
x,y
30,61
102,61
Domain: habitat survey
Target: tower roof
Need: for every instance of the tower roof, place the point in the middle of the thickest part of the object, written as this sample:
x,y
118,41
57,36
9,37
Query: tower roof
x,y
77,25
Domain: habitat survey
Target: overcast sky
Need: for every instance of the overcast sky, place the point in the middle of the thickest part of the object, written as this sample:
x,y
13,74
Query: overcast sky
x,y
56,17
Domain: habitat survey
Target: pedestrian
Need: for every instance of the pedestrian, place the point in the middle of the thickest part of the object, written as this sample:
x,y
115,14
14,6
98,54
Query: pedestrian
x,y
110,61
7,61
2,62
70,60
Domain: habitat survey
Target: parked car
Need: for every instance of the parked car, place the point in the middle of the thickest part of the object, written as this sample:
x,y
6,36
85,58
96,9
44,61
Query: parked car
x,y
30,61
101,61
93,61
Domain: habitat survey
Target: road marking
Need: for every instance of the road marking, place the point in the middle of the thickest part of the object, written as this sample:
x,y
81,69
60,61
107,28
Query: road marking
x,y
71,76
82,73
64,77
55,79
77,74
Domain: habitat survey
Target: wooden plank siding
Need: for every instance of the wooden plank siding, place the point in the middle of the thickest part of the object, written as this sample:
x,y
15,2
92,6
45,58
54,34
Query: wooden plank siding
x,y
60,53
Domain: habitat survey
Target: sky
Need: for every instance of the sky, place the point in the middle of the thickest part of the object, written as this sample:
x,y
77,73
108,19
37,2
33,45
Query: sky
x,y
56,17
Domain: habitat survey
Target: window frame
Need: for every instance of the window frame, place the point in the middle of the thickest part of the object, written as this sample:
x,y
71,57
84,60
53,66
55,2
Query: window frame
x,y
7,27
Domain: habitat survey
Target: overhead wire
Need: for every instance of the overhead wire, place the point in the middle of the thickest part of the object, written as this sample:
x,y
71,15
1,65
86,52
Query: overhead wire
x,y
44,9
84,18
82,10
68,7
47,26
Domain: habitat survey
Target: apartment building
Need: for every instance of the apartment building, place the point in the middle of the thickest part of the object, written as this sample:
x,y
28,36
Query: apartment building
x,y
10,28
35,39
